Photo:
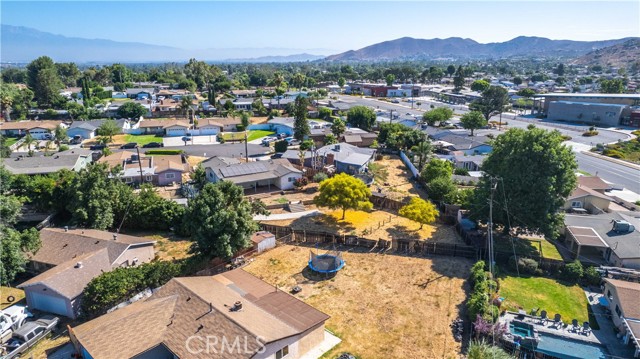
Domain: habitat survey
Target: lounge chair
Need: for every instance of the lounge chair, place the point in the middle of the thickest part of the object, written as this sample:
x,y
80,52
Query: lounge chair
x,y
543,317
586,329
557,321
574,325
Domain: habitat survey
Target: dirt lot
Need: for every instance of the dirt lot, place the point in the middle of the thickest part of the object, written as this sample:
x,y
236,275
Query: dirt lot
x,y
376,224
168,245
381,306
6,292
399,177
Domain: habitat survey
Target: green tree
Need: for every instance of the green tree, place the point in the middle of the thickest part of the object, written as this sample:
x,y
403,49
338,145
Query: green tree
x,y
480,85
245,119
43,80
330,139
527,92
390,78
436,168
458,79
131,110
442,189
612,86
559,70
220,220
423,151
473,120
108,129
420,211
281,146
198,72
494,100
439,115
324,113
15,244
298,80
517,80
150,211
451,69
344,192
186,106
27,142
301,127
60,135
69,73
338,127
341,82
362,117
528,203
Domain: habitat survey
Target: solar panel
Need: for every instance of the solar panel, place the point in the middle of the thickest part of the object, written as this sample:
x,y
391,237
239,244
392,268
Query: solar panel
x,y
243,169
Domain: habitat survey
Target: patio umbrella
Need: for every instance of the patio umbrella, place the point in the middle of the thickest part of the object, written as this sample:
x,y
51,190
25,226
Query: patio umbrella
x,y
603,301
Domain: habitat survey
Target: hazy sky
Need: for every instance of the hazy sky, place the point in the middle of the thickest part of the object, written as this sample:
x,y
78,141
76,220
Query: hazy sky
x,y
327,27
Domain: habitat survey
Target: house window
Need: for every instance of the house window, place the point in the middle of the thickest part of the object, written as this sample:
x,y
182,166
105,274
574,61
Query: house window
x,y
128,179
291,179
576,204
148,178
609,294
618,311
170,175
282,352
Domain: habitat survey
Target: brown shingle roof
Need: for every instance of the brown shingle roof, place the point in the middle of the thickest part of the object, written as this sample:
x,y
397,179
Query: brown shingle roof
x,y
27,125
593,182
59,246
628,293
582,191
164,163
261,236
116,158
69,278
157,123
587,237
199,306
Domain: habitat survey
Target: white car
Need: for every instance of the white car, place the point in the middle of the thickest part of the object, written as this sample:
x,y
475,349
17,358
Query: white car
x,y
12,318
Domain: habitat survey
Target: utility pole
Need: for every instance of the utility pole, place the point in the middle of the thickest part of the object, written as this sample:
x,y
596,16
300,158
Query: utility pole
x,y
140,165
391,116
494,185
246,146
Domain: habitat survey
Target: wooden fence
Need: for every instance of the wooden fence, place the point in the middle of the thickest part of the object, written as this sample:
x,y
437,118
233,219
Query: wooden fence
x,y
400,246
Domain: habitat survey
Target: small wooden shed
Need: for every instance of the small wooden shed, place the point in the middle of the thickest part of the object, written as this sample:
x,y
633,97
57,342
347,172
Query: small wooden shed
x,y
263,240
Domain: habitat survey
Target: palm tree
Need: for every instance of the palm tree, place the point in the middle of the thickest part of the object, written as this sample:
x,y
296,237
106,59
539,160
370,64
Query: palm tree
x,y
47,147
60,135
27,142
422,150
185,105
6,101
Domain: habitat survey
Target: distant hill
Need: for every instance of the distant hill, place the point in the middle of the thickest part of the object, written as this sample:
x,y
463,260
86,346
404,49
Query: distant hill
x,y
407,48
618,55
22,44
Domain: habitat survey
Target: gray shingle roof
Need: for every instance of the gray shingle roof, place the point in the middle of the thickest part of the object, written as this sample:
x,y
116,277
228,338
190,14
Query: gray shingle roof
x,y
40,164
625,245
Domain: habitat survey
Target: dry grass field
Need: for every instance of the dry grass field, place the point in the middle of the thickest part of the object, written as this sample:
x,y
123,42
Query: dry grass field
x,y
381,306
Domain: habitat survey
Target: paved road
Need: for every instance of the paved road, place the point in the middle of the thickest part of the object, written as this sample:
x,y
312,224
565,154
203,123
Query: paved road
x,y
610,171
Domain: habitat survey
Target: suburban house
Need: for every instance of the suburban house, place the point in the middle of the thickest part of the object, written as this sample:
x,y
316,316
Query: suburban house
x,y
157,170
38,129
69,258
177,320
236,150
222,124
343,157
72,160
470,163
239,104
243,93
447,141
280,125
163,127
88,129
622,297
141,93
589,196
208,126
606,238
275,172
353,136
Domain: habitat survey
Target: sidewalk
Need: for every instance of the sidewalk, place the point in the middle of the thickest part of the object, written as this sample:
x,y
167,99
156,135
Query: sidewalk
x,y
614,160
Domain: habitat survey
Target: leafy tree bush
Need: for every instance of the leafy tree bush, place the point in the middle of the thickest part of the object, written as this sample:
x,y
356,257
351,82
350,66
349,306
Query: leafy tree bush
x,y
524,265
131,110
461,171
591,276
281,146
482,350
572,272
319,177
436,168
419,210
361,117
344,192
300,182
437,115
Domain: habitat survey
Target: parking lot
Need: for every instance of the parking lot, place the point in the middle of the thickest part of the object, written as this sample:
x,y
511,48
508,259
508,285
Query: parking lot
x,y
195,140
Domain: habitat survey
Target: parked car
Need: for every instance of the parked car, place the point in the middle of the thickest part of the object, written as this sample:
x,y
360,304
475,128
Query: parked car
x,y
153,145
97,147
395,101
12,318
77,139
27,336
282,135
186,138
129,145
267,141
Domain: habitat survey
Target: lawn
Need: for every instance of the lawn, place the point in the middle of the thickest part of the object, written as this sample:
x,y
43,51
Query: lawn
x,y
142,139
529,247
377,300
545,294
6,292
10,141
252,135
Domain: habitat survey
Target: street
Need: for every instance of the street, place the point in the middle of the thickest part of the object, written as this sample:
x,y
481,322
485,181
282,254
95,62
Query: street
x,y
610,172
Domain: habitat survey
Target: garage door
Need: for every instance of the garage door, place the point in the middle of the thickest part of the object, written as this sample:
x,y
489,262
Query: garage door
x,y
176,131
50,304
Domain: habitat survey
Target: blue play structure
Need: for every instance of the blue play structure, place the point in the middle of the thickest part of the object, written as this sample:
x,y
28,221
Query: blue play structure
x,y
327,263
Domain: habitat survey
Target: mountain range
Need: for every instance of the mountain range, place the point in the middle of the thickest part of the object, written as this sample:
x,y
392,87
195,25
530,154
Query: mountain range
x,y
408,48
22,45
625,54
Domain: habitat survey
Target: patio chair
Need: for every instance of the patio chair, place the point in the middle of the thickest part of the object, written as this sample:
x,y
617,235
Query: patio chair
x,y
574,325
543,317
586,329
557,321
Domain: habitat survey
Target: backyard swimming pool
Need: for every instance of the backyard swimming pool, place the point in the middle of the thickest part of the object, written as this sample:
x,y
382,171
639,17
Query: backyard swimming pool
x,y
559,347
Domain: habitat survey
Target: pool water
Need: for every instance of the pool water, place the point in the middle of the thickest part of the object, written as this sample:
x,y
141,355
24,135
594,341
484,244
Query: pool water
x,y
519,329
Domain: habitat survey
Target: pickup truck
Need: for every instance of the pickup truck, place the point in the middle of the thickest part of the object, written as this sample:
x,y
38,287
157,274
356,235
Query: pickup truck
x,y
12,318
27,336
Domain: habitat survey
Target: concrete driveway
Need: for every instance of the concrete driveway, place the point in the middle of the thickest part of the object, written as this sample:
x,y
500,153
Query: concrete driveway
x,y
195,140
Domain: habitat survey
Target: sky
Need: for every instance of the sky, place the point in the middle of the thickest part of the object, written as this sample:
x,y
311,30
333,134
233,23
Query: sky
x,y
322,27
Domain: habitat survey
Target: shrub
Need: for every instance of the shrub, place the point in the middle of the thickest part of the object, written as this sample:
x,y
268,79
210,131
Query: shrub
x,y
477,305
525,265
591,276
572,272
319,177
461,172
590,133
613,153
636,133
63,148
491,314
281,146
301,182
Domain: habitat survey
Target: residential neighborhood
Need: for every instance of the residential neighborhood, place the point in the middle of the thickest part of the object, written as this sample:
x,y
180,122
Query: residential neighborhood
x,y
261,196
